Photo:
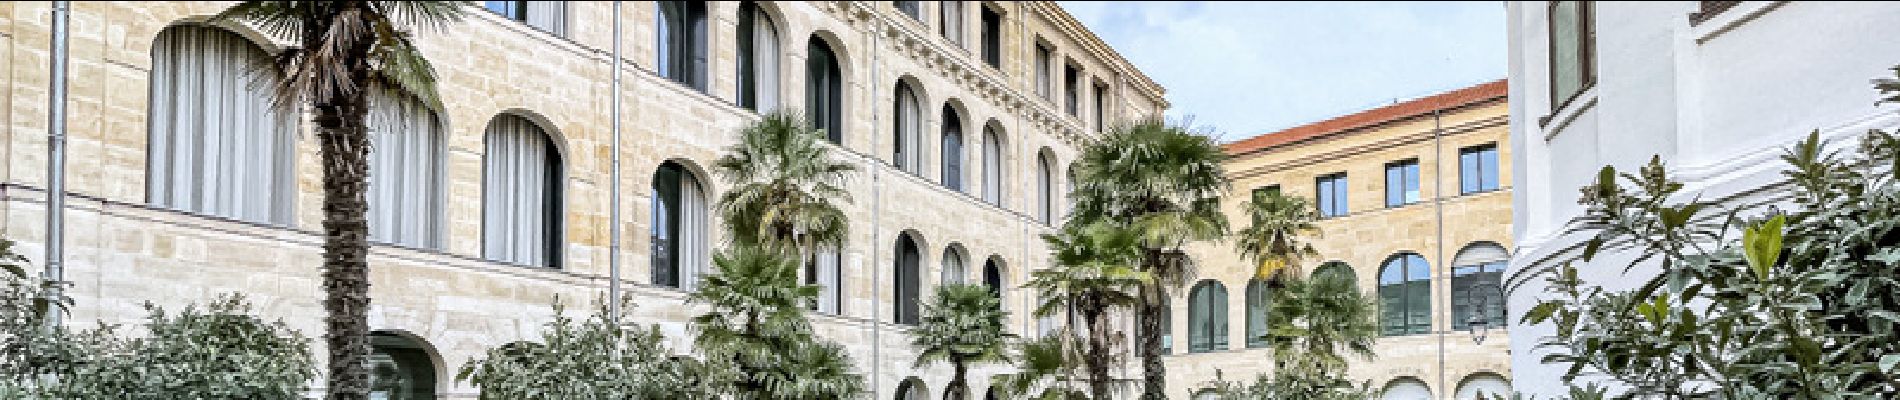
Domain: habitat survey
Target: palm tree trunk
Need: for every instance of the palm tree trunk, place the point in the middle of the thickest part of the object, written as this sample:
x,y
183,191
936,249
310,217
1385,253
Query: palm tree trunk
x,y
345,151
1154,374
1098,353
959,387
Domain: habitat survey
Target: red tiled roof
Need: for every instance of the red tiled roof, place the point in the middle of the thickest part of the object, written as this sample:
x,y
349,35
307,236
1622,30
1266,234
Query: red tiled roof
x,y
1370,118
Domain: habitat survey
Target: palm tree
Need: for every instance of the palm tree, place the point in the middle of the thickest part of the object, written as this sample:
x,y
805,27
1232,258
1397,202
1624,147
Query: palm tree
x,y
1165,182
346,50
1096,272
757,328
1274,239
1313,324
963,324
1046,371
786,187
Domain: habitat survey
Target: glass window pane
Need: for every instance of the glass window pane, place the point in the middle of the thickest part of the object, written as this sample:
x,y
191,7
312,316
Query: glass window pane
x,y
1565,51
1411,183
1467,171
1393,179
1488,169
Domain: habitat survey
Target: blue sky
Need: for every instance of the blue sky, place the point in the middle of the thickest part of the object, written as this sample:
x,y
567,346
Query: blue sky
x,y
1247,68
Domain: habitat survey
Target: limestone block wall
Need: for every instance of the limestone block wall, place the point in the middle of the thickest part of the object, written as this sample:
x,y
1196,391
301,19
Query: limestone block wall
x,y
123,252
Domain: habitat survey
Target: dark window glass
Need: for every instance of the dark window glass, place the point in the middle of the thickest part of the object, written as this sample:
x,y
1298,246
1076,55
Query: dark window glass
x,y
952,149
666,226
1071,89
682,42
1207,317
907,280
515,10
1405,288
1475,287
911,8
992,37
824,90
993,277
1572,50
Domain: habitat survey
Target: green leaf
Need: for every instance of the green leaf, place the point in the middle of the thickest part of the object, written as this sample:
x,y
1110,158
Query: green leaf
x,y
1591,248
1762,245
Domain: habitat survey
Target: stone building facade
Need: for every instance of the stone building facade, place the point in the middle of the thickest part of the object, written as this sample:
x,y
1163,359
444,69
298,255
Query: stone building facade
x,y
1416,206
544,68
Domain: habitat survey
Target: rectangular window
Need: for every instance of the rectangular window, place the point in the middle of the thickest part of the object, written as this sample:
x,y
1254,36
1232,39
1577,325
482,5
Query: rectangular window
x,y
1478,169
1042,71
911,8
549,16
682,42
1332,195
1401,183
992,37
1572,50
952,21
1071,88
1100,98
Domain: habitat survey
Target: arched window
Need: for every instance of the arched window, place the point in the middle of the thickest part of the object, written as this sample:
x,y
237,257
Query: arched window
x,y
992,166
1475,290
993,277
682,42
1045,188
952,267
400,368
1406,388
1339,269
904,133
908,258
1405,295
952,149
521,194
679,228
1207,317
912,389
405,172
826,272
824,90
218,147
911,8
758,58
1483,385
1258,302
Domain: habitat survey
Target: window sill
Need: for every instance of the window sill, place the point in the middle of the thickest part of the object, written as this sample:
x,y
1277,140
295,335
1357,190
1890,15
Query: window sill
x,y
1562,117
1730,19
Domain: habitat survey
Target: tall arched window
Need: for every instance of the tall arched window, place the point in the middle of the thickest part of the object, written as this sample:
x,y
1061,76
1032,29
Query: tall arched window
x,y
1339,269
952,267
993,277
405,172
1258,301
824,271
1045,188
1405,295
1475,290
400,368
1207,317
824,90
521,194
904,133
682,42
992,166
952,149
907,270
758,58
218,147
679,228
912,389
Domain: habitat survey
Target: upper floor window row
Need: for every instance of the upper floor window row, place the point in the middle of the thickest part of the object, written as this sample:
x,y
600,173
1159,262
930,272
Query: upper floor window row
x,y
549,16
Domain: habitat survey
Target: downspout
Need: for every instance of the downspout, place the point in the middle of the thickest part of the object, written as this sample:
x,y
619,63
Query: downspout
x,y
55,274
613,250
877,200
1438,208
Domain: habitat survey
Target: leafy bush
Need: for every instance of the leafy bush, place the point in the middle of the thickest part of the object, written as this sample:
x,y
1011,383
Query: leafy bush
x,y
1801,305
221,352
588,359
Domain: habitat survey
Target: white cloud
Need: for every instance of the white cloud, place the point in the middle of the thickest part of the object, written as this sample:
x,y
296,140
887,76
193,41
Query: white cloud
x,y
1247,68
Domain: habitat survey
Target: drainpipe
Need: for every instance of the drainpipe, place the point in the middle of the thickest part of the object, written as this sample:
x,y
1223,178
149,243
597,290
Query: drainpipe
x,y
877,199
55,274
1438,208
613,250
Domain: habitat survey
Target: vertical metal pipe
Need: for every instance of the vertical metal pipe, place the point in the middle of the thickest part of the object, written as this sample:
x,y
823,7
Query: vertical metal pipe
x,y
1438,208
613,250
55,273
877,198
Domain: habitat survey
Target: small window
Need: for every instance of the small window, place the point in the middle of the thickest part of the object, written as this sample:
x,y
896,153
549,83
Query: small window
x,y
952,149
1401,183
824,90
1478,169
1045,189
906,153
549,16
682,42
911,8
992,37
952,21
1258,300
1572,50
907,276
1043,86
1071,89
1332,195
825,271
1101,107
680,227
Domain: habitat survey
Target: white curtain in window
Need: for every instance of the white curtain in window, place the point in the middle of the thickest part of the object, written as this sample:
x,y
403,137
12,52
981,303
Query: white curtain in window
x,y
828,278
520,194
909,122
952,269
217,145
992,169
1044,190
693,228
405,172
550,16
765,55
953,22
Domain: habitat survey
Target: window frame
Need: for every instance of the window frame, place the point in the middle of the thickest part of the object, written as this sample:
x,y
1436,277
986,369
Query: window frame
x,y
1478,153
1408,190
1586,51
1338,193
991,22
